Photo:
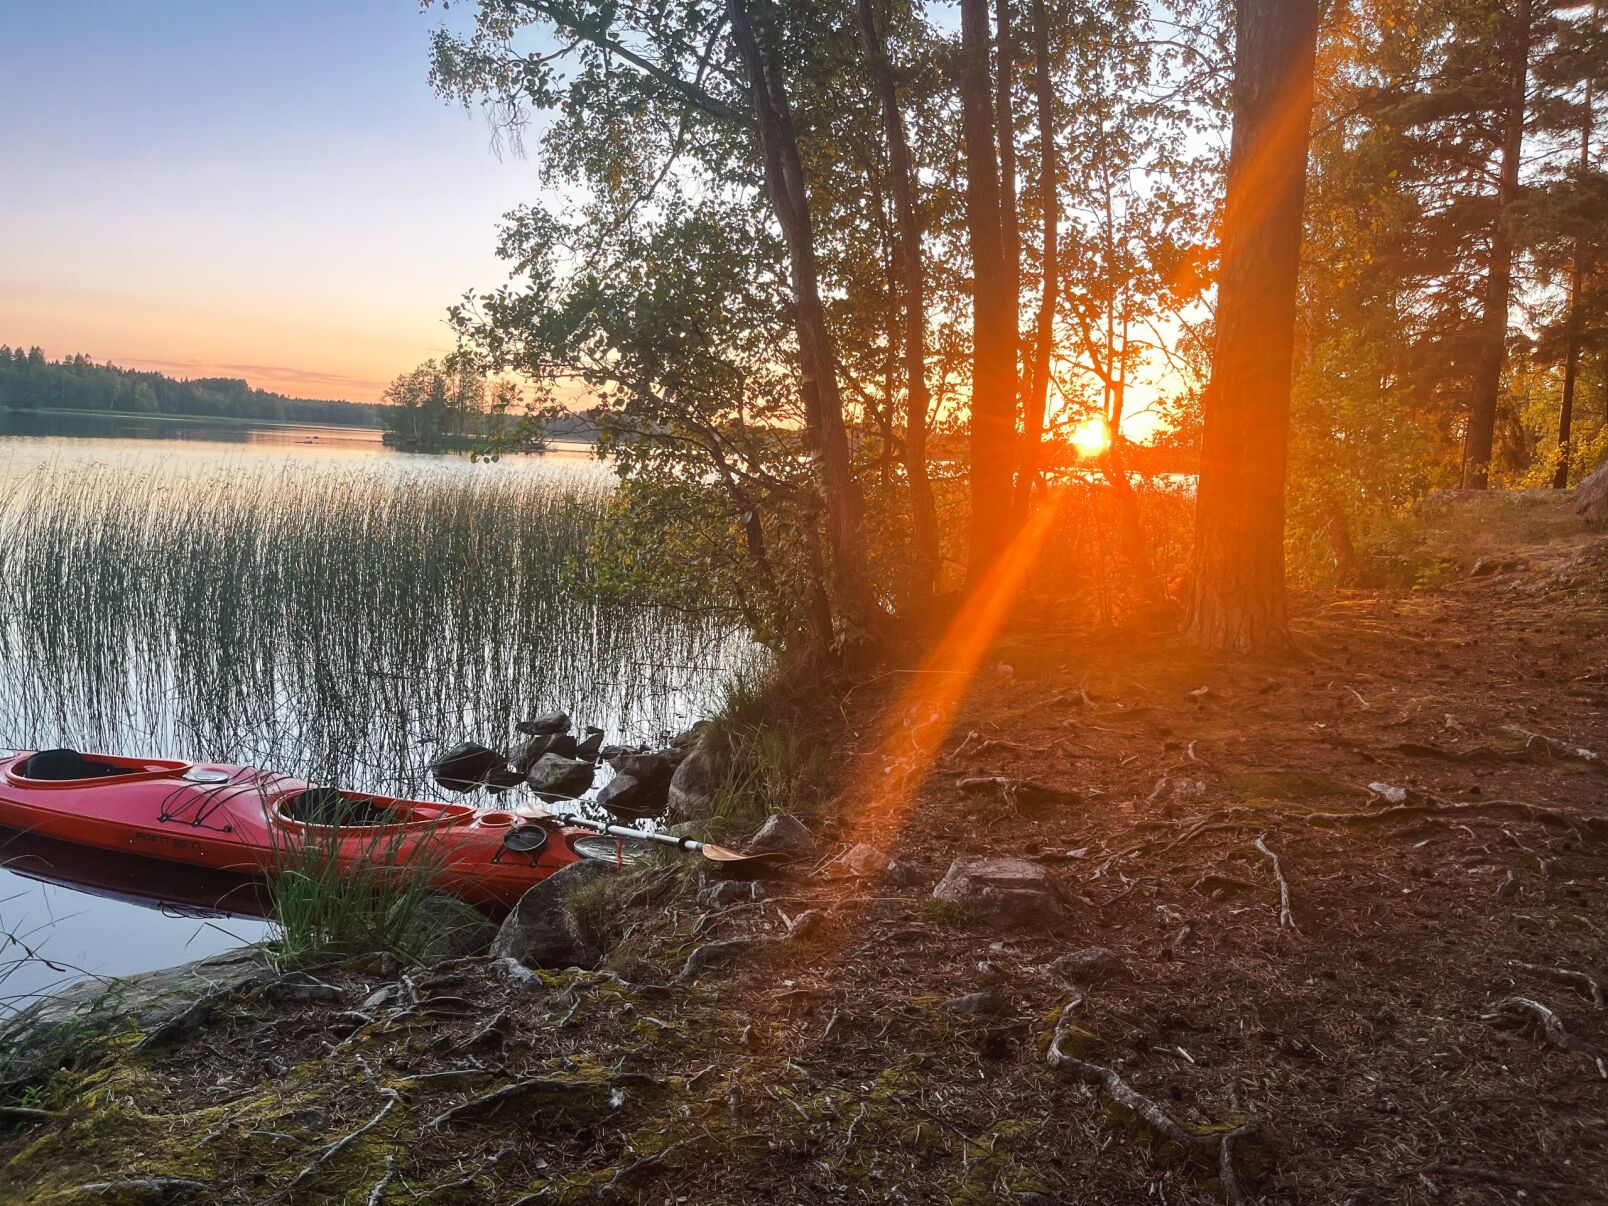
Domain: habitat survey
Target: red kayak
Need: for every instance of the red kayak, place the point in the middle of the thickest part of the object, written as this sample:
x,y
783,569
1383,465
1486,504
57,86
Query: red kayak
x,y
236,818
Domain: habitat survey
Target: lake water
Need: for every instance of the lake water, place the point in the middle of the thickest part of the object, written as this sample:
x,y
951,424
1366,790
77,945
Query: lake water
x,y
301,599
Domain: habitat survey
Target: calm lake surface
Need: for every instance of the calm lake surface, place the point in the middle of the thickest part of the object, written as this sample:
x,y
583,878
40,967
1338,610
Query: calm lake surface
x,y
295,598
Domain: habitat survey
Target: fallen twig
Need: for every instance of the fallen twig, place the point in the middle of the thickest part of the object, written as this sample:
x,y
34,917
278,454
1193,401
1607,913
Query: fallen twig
x,y
1286,914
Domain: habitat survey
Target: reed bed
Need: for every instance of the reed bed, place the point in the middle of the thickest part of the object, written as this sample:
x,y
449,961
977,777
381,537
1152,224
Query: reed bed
x,y
328,624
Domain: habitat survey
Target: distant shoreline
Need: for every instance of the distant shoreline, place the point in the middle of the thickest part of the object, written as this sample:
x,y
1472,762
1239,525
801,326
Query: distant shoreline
x,y
233,420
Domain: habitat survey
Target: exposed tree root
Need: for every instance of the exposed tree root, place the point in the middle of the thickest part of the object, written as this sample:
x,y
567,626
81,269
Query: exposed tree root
x,y
1286,913
1520,1009
1157,1119
490,1103
325,1154
377,1194
1580,980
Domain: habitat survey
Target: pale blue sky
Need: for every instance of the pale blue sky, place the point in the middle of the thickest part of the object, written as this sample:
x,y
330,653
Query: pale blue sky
x,y
258,188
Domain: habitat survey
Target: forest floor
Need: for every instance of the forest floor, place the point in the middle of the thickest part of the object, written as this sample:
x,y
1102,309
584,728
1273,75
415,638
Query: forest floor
x,y
1420,1021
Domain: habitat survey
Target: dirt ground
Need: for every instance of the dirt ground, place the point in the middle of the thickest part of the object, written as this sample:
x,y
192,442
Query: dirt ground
x,y
1421,1021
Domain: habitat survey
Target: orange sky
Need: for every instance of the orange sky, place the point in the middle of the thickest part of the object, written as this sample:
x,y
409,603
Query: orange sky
x,y
267,191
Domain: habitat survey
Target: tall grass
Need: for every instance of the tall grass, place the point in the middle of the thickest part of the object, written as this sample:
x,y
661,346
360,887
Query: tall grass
x,y
342,621
348,889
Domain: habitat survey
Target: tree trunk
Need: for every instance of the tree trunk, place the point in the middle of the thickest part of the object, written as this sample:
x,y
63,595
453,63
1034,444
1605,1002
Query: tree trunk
x,y
1010,231
993,392
1238,601
1036,397
1499,276
1571,352
917,399
823,403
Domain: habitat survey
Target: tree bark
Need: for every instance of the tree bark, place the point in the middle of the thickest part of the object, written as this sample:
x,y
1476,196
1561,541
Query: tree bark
x,y
1499,276
1010,230
993,392
823,402
1571,351
917,399
1036,397
1238,601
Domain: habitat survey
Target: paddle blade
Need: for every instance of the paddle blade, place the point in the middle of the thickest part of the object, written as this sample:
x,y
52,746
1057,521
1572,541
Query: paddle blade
x,y
742,866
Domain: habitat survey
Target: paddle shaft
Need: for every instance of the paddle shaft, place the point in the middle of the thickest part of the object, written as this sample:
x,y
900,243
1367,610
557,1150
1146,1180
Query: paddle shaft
x,y
664,839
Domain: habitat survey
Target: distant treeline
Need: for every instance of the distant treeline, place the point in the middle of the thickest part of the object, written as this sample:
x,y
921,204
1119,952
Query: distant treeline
x,y
29,381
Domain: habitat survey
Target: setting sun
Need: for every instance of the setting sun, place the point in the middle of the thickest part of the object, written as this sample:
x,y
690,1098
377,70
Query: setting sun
x,y
1090,437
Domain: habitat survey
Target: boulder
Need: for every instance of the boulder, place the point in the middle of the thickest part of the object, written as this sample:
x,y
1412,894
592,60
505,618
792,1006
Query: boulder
x,y
783,834
501,780
1591,497
640,787
170,1002
556,778
547,722
1005,891
531,750
591,747
695,783
539,932
686,741
612,753
466,766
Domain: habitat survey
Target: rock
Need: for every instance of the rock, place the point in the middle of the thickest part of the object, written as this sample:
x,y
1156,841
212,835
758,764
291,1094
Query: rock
x,y
299,986
531,750
1591,497
39,1036
547,722
1389,792
1486,566
1091,964
686,741
862,861
640,787
783,834
731,891
591,748
987,1003
695,783
499,781
539,933
1006,891
466,766
555,778
805,924
900,874
613,753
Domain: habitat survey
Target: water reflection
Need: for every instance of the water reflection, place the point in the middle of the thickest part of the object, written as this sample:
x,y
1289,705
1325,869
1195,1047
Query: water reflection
x,y
332,610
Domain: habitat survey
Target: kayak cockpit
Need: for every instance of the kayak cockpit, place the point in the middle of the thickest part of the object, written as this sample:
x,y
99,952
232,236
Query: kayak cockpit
x,y
69,768
326,807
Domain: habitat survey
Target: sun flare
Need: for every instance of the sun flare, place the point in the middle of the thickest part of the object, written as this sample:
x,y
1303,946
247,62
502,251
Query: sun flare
x,y
1089,437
